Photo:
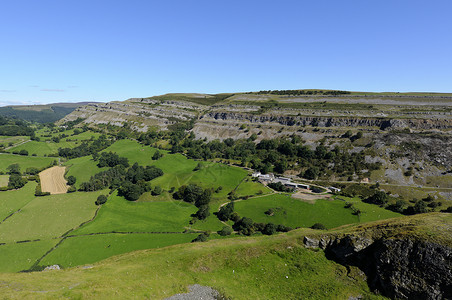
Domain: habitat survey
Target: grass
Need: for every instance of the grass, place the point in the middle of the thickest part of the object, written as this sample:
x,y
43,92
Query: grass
x,y
42,148
295,213
99,247
24,161
11,201
178,170
4,179
82,168
369,212
18,257
6,140
251,188
121,215
276,267
49,216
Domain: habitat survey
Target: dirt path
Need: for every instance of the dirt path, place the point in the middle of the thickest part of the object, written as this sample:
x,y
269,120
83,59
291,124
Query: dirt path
x,y
52,180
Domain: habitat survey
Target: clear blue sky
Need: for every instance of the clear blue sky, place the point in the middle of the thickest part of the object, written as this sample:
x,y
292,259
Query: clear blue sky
x,y
76,50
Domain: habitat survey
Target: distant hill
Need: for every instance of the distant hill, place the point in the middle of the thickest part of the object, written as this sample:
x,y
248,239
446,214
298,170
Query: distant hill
x,y
40,113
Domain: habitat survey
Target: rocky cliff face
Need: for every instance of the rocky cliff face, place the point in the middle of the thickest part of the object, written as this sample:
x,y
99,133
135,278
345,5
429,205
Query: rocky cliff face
x,y
397,268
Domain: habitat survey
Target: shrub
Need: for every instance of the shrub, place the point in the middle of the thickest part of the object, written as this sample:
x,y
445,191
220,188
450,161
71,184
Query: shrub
x,y
225,231
318,226
101,199
201,238
71,189
71,180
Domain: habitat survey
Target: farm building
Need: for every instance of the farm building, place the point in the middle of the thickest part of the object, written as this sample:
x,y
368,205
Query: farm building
x,y
334,189
303,186
266,178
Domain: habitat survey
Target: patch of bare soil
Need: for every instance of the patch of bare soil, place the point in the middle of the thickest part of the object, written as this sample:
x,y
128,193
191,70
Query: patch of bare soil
x,y
309,197
52,180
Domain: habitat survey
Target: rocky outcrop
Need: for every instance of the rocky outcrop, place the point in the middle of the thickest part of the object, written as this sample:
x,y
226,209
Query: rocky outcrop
x,y
397,268
322,121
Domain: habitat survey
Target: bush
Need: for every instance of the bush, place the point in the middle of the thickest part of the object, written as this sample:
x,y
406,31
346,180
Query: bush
x,y
318,226
71,180
23,152
101,199
201,238
225,231
16,181
269,229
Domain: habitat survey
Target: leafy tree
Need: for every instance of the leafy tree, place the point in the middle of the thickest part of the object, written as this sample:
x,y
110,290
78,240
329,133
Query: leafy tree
x,y
157,155
379,198
101,199
16,181
203,212
244,226
13,169
226,211
32,171
23,152
225,231
201,238
269,229
319,226
71,180
157,190
311,173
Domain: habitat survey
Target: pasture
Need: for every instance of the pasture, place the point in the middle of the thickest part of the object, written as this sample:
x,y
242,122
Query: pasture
x,y
42,148
295,213
21,256
6,141
82,168
98,247
4,179
121,215
24,161
52,180
11,201
49,216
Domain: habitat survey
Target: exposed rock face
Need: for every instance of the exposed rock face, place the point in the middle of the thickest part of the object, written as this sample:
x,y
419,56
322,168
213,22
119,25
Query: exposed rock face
x,y
397,268
322,121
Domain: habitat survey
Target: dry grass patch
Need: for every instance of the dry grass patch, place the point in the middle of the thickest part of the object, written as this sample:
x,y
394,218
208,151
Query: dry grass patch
x,y
52,180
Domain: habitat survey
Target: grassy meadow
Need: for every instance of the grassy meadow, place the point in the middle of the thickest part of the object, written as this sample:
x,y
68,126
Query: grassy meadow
x,y
49,216
24,161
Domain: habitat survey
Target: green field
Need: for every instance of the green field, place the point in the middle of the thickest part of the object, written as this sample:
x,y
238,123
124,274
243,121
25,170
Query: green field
x,y
178,170
4,179
98,247
49,216
82,168
42,148
295,213
11,201
369,212
251,188
6,140
121,215
18,257
24,161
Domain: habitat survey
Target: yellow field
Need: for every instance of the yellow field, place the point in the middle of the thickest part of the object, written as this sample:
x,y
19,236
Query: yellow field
x,y
52,180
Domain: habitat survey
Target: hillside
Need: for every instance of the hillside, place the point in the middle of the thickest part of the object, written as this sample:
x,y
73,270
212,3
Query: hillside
x,y
263,267
409,133
40,113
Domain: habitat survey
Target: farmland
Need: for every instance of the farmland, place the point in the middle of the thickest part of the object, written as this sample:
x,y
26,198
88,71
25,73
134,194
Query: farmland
x,y
52,180
24,161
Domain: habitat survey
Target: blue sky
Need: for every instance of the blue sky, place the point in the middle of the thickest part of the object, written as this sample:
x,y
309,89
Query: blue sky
x,y
113,50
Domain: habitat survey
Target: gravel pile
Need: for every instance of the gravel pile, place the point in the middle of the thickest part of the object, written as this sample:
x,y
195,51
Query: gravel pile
x,y
197,292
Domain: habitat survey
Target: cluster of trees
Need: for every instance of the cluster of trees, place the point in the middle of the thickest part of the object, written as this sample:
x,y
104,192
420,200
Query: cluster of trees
x,y
15,127
278,155
131,182
86,148
110,159
278,186
246,226
304,92
198,196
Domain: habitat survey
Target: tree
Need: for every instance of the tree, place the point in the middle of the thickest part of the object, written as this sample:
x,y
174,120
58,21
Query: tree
x,y
32,171
157,155
71,180
226,211
319,226
379,198
244,226
101,199
225,231
157,190
311,173
420,207
203,212
16,181
269,229
201,238
23,152
13,169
